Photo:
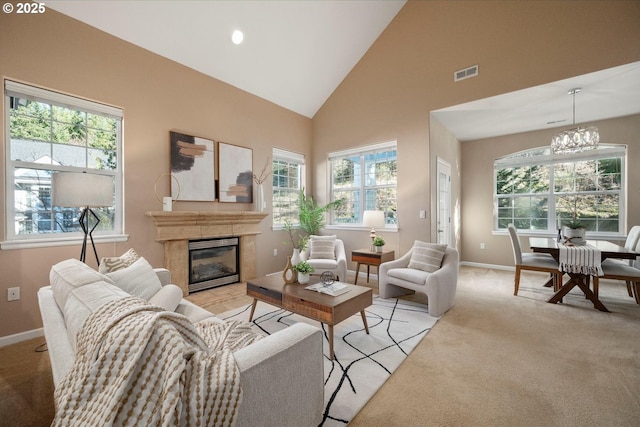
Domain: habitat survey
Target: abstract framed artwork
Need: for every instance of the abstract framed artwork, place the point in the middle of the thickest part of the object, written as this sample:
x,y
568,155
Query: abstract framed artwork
x,y
236,173
193,167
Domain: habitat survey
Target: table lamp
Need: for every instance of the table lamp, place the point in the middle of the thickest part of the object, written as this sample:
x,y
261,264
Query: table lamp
x,y
373,219
83,190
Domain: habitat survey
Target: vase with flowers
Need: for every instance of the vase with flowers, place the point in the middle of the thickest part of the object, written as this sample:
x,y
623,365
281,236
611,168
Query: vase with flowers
x,y
259,180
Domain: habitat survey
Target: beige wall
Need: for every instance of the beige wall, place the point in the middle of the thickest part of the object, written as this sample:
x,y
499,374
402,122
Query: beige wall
x,y
388,96
54,51
408,72
477,183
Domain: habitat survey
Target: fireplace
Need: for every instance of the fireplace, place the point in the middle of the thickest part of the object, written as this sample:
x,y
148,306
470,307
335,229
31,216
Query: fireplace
x,y
175,229
213,262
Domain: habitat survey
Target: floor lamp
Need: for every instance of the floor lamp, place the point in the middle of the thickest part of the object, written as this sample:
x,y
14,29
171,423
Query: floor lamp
x,y
83,190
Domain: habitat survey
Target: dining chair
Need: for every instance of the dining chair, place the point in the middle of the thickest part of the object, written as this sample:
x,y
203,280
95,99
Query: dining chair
x,y
632,239
622,271
532,262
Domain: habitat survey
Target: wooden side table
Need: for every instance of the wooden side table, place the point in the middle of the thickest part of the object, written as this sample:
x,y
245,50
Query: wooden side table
x,y
369,258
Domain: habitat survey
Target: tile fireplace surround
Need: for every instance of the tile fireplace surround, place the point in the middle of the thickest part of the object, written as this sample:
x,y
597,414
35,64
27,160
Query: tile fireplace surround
x,y
176,228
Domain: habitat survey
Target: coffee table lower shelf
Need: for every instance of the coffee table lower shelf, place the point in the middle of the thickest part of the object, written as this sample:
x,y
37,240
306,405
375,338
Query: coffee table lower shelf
x,y
323,308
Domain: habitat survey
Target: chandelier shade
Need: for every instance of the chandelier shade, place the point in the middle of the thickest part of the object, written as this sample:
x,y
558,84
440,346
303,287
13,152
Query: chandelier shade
x,y
576,139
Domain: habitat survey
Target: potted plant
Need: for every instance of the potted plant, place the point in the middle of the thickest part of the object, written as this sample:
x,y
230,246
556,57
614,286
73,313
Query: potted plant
x,y
574,229
311,219
304,269
311,215
378,243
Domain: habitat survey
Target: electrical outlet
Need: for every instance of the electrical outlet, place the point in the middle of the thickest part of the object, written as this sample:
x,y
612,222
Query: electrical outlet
x,y
482,246
275,252
13,294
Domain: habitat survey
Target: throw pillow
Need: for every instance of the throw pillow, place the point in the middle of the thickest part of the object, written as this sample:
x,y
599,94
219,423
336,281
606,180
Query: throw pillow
x,y
70,274
322,247
427,256
138,279
110,264
168,297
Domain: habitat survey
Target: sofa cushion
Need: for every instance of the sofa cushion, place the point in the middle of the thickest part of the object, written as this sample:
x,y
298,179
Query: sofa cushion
x,y
427,256
409,274
138,279
110,264
84,300
168,297
320,264
322,247
70,274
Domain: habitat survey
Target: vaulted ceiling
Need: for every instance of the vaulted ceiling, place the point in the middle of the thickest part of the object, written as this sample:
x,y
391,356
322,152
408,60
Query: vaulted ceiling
x,y
294,53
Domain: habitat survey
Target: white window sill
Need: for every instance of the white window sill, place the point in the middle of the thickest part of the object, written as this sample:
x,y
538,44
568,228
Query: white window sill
x,y
360,227
60,241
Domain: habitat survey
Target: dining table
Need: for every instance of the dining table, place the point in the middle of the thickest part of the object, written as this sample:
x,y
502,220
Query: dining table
x,y
607,249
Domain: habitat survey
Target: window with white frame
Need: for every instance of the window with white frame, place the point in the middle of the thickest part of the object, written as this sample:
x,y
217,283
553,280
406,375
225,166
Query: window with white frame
x,y
536,190
288,181
366,178
49,132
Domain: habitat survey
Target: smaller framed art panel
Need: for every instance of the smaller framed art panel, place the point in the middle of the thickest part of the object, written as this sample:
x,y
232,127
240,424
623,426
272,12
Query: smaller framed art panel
x,y
193,167
236,173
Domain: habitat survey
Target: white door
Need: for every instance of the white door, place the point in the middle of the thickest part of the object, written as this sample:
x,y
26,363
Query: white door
x,y
443,216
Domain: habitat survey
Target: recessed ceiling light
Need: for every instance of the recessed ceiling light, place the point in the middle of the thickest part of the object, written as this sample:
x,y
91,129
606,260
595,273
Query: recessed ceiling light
x,y
237,37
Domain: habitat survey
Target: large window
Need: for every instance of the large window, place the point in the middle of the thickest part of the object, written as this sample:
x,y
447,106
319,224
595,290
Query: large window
x,y
535,190
366,178
288,180
49,132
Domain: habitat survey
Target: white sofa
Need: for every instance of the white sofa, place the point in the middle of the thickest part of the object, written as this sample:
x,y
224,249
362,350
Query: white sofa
x,y
396,278
281,375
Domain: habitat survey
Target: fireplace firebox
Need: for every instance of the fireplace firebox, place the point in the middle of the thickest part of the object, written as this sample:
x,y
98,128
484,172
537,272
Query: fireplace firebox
x,y
213,262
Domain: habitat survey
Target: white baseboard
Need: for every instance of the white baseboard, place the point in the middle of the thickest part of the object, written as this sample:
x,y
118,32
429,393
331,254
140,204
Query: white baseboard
x,y
21,336
492,266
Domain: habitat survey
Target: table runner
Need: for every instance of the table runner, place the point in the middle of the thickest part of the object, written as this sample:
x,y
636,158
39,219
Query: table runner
x,y
580,259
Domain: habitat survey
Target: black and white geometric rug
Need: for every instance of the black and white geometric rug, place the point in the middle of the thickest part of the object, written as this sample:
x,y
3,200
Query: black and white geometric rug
x,y
362,362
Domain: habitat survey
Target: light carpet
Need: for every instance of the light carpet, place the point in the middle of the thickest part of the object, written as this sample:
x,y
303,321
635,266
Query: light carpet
x,y
362,362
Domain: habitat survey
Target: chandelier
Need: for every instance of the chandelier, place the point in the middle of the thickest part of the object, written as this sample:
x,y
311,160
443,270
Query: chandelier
x,y
576,139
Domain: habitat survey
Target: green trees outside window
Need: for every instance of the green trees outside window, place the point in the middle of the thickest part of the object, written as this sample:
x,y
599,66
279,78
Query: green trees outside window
x,y
537,191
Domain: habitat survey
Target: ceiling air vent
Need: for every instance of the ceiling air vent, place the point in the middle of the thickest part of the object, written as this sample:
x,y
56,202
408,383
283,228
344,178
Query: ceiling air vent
x,y
466,73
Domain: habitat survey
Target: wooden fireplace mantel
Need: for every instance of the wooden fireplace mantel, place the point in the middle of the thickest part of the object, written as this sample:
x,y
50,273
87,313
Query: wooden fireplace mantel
x,y
176,228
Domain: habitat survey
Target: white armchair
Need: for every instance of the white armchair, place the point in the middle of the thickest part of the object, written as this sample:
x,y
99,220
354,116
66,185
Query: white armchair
x,y
396,278
337,266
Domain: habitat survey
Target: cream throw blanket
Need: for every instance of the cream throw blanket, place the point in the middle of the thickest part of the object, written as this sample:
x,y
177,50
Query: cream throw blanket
x,y
580,259
137,365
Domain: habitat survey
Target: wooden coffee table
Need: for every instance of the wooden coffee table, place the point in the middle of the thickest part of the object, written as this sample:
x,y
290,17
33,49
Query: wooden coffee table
x,y
324,308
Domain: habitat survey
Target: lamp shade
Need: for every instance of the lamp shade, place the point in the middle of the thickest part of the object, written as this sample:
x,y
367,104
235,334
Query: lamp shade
x,y
373,219
71,189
